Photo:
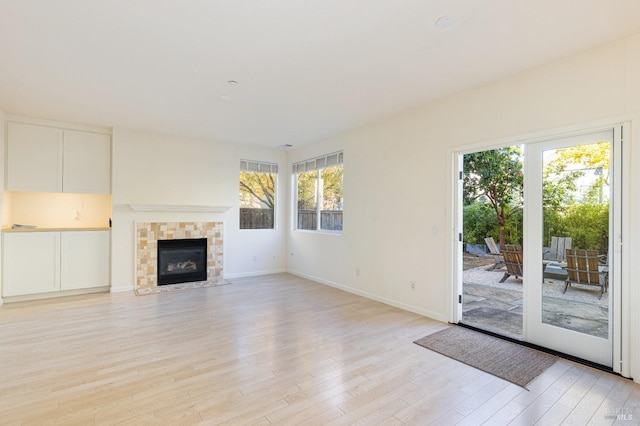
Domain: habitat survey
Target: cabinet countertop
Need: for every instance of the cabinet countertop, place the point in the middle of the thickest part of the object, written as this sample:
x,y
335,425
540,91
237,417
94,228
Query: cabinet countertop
x,y
53,229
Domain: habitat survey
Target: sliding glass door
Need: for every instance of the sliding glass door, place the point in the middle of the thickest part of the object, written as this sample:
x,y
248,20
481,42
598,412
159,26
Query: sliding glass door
x,y
569,251
558,210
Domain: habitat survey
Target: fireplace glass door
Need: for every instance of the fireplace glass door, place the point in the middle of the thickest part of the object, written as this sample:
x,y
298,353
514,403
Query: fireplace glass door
x,y
182,261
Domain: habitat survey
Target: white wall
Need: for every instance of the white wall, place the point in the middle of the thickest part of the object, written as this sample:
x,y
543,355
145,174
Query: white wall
x,y
171,170
398,173
3,206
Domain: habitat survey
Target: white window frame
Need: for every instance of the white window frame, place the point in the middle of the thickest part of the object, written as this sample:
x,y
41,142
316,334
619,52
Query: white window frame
x,y
315,164
261,167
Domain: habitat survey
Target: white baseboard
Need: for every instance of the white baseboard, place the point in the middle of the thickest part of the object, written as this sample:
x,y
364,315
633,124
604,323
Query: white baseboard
x,y
125,288
56,294
404,306
121,289
254,274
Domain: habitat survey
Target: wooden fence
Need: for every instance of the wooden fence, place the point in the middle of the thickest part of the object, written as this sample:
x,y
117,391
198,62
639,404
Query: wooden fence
x,y
256,218
331,220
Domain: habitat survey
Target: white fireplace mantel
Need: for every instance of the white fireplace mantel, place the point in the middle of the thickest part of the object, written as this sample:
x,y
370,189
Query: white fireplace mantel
x,y
177,208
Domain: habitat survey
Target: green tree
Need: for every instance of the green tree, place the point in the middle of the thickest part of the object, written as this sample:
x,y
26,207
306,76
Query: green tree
x,y
257,190
567,209
567,165
588,225
479,222
307,184
496,177
332,188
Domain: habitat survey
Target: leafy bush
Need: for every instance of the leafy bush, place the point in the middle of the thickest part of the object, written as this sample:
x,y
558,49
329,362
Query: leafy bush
x,y
588,226
513,228
554,225
479,222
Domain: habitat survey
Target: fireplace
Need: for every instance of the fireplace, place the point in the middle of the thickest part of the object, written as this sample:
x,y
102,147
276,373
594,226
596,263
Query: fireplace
x,y
182,260
148,234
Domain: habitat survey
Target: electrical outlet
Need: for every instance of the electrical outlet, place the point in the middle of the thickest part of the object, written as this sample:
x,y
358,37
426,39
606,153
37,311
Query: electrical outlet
x,y
255,258
413,285
357,272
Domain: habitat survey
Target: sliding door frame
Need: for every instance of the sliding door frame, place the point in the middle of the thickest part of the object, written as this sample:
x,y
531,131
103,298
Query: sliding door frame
x,y
621,303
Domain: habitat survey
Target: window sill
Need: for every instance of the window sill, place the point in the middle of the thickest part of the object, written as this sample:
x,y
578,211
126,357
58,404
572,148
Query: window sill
x,y
319,231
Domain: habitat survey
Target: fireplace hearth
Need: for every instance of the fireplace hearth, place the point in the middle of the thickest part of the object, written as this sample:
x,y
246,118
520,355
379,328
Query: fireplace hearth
x,y
148,234
182,260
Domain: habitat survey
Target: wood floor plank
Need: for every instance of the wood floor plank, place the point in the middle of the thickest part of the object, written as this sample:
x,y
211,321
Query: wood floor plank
x,y
276,349
491,403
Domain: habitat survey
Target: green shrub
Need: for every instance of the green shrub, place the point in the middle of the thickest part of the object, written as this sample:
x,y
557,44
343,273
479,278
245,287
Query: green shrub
x,y
513,228
588,226
554,226
479,222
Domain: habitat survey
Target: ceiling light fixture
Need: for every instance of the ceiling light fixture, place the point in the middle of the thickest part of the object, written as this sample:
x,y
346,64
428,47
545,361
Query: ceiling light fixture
x,y
232,83
225,97
444,21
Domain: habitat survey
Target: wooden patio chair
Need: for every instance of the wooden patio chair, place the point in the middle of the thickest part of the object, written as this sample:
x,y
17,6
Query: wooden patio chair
x,y
583,267
495,252
557,253
513,261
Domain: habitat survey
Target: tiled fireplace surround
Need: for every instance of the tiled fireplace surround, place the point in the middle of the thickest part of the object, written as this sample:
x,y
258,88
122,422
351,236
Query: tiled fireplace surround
x,y
147,236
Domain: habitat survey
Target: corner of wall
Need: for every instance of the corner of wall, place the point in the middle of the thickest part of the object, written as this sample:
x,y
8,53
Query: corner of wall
x,y
2,203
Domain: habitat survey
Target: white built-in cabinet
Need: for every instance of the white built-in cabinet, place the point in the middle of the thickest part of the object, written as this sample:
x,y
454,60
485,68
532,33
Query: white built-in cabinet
x,y
84,259
51,159
54,261
31,263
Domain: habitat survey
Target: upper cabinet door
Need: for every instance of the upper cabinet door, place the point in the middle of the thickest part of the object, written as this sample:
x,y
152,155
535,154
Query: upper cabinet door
x,y
87,162
34,158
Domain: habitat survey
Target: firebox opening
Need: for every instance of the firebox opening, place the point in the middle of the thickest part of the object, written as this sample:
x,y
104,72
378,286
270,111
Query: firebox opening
x,y
182,261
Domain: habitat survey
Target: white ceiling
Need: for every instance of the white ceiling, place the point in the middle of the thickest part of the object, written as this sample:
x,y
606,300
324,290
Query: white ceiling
x,y
306,69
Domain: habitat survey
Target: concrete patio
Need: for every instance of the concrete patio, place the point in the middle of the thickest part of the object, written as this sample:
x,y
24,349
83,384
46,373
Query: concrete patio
x,y
497,307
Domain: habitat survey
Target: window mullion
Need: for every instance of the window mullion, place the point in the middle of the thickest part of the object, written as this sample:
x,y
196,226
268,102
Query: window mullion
x,y
319,201
295,202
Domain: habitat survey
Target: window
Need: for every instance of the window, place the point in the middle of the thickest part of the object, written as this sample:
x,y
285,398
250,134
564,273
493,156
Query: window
x,y
257,194
319,193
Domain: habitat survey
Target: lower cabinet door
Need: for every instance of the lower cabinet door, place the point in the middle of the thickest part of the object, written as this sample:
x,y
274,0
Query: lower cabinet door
x,y
84,259
31,263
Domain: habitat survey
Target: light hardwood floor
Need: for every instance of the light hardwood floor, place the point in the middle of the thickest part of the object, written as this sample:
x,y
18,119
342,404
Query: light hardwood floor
x,y
266,350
